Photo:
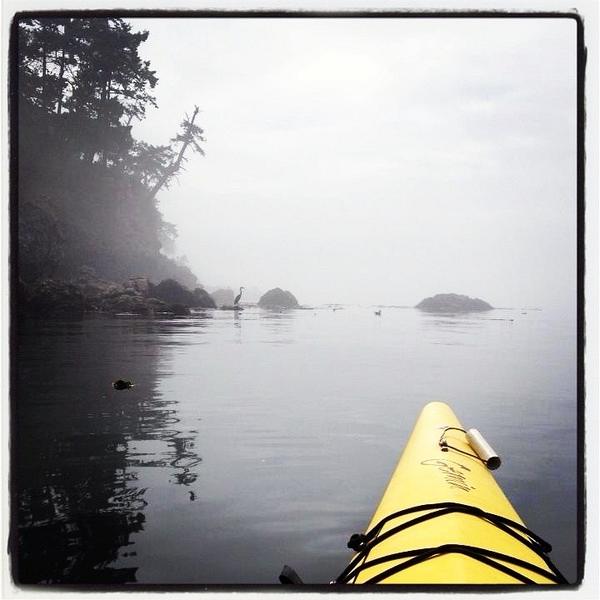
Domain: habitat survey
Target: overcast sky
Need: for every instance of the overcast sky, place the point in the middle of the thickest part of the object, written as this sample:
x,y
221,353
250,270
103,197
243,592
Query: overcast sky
x,y
374,161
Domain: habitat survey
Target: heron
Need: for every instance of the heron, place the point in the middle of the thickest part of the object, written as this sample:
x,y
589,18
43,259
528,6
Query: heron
x,y
238,297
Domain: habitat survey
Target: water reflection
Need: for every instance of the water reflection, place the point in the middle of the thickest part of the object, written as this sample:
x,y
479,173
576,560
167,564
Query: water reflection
x,y
454,329
112,487
278,324
81,444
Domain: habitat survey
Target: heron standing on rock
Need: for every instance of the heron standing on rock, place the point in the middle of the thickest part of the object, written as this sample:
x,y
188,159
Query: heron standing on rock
x,y
238,297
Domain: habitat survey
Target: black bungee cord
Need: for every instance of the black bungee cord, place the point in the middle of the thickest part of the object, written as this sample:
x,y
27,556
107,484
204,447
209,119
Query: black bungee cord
x,y
364,543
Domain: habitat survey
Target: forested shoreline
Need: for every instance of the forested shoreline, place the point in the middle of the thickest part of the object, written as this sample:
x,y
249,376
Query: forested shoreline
x,y
87,190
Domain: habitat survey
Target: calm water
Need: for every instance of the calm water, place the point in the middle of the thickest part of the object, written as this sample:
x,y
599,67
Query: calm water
x,y
254,440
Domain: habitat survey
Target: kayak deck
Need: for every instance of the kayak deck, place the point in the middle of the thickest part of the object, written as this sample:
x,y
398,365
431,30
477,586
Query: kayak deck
x,y
444,519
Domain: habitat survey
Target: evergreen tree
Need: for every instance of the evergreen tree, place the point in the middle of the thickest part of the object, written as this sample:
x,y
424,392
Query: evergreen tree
x,y
86,187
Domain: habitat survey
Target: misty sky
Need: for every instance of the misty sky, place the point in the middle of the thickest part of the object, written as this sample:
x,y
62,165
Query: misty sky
x,y
374,161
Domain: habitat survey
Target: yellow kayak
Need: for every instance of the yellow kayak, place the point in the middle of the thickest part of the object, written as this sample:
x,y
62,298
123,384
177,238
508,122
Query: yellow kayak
x,y
443,519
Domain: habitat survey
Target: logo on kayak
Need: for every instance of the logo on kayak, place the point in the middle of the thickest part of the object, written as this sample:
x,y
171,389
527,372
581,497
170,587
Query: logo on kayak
x,y
452,472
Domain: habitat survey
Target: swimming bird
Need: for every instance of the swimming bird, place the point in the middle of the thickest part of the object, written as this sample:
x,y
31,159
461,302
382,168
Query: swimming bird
x,y
239,296
378,312
122,384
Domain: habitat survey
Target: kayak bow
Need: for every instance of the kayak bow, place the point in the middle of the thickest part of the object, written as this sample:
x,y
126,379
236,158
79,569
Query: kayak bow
x,y
443,519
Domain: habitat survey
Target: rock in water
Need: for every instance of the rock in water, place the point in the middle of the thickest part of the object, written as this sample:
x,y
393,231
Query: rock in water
x,y
453,303
278,298
202,299
172,292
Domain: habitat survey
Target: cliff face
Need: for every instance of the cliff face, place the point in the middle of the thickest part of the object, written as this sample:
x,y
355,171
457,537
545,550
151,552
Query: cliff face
x,y
453,303
278,298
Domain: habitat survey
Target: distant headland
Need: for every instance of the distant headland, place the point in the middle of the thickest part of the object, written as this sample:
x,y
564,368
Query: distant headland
x,y
452,303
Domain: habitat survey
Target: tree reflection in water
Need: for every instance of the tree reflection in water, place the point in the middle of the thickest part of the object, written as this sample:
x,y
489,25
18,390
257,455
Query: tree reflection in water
x,y
79,445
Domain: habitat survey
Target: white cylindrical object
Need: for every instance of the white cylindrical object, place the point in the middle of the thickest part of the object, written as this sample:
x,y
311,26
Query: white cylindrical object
x,y
483,449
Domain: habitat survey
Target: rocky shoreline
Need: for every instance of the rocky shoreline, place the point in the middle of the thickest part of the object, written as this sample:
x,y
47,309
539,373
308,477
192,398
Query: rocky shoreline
x,y
91,295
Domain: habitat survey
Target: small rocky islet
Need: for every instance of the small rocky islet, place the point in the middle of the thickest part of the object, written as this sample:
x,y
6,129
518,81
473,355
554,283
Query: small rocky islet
x,y
278,299
453,303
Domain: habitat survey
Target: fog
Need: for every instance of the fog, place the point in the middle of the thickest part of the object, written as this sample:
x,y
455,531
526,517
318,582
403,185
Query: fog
x,y
374,161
